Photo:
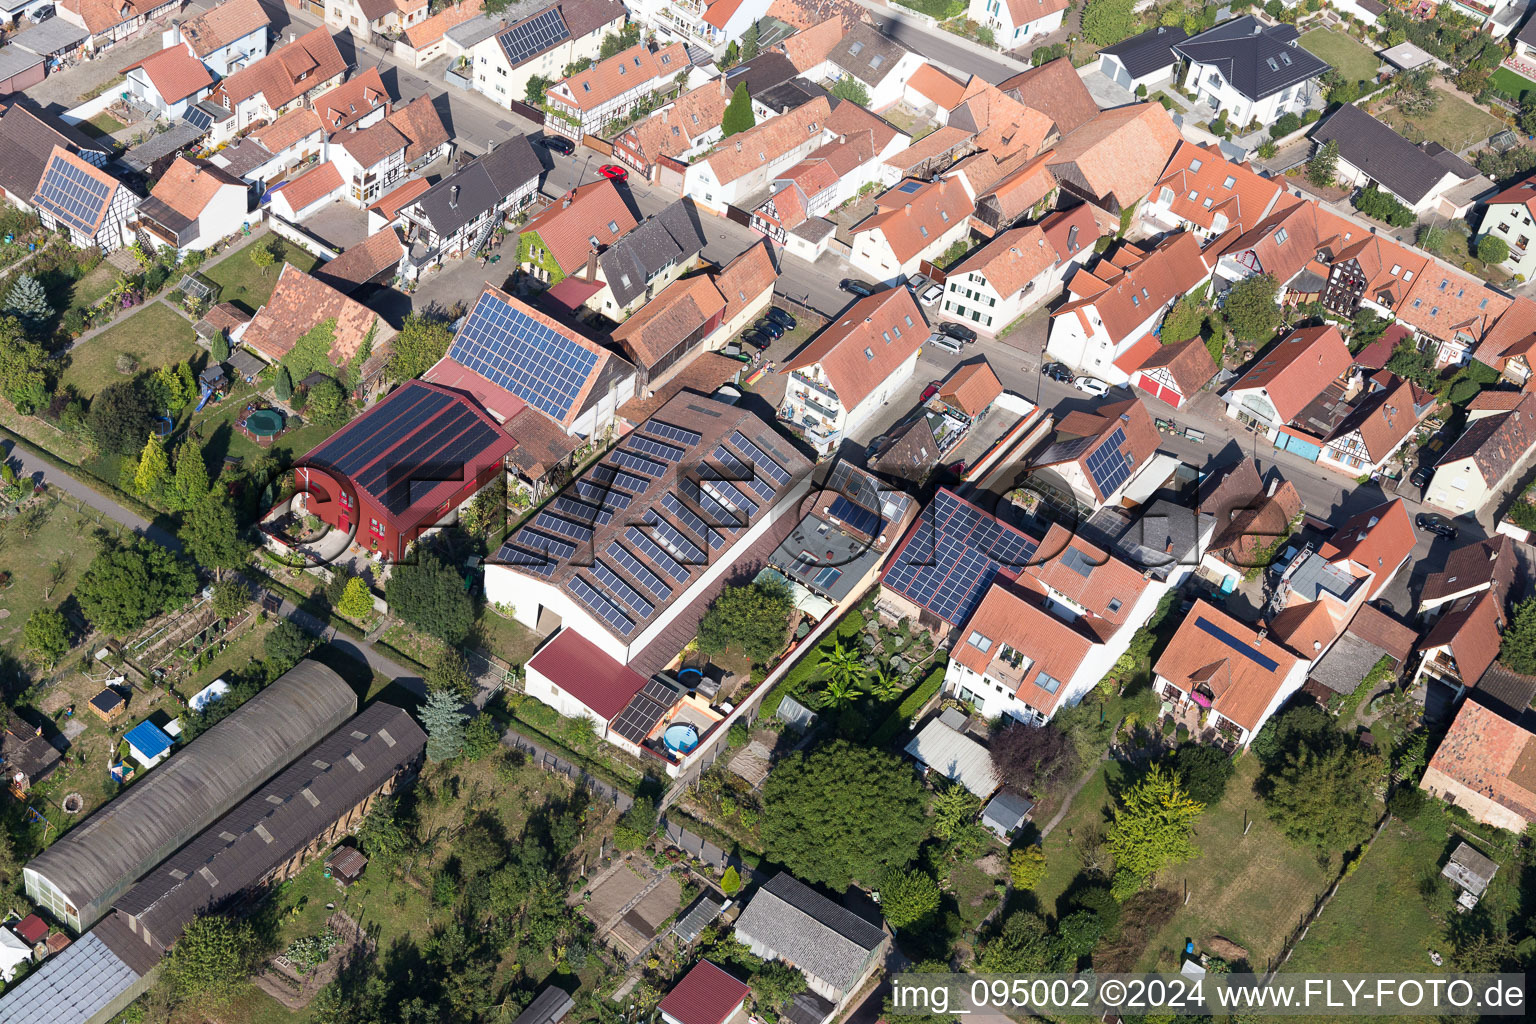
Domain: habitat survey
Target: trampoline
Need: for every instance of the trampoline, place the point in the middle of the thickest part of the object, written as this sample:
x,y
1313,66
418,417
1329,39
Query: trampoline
x,y
163,426
262,425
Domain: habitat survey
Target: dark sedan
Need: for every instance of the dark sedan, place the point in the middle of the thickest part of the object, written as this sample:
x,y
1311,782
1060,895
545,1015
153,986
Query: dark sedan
x,y
1057,371
557,144
757,339
769,328
862,289
1437,524
958,331
781,318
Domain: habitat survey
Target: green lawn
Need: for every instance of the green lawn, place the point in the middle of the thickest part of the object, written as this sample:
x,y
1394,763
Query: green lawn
x,y
249,286
155,335
1511,82
103,124
29,552
93,287
1355,61
1454,123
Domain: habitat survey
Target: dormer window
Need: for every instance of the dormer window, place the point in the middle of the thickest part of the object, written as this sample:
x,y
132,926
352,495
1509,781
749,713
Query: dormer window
x,y
613,227
1194,195
869,353
1165,196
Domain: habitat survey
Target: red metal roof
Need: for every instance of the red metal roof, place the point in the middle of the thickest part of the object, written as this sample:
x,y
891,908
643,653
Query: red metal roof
x,y
32,930
582,669
706,995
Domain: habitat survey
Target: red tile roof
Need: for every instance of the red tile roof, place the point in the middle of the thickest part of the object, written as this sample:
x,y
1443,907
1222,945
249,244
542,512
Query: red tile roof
x,y
1026,11
582,669
1013,612
769,140
353,100
1239,678
972,388
745,278
1204,184
1521,193
1376,626
842,345
277,76
289,129
930,82
299,303
423,129
1446,303
1119,155
227,23
912,221
1379,540
568,225
393,202
101,15
1012,260
706,995
362,262
1189,363
1057,91
1298,368
1469,629
188,187
1491,756
430,31
1125,300
174,73
609,79
681,308
311,186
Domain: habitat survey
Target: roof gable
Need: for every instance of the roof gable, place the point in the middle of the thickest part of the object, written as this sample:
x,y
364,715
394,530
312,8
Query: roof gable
x,y
866,344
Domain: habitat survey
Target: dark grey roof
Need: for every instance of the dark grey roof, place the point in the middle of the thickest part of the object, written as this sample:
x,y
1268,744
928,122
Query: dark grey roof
x,y
1509,693
245,364
14,60
94,862
1449,160
1257,60
1006,811
1399,166
866,54
668,237
786,96
548,1007
807,1008
810,931
157,147
1165,537
484,26
54,35
1346,663
70,987
244,157
1149,51
762,72
829,547
27,137
1527,33
532,31
481,184
274,824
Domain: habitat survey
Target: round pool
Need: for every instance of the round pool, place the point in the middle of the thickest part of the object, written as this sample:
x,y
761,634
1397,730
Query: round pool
x,y
680,738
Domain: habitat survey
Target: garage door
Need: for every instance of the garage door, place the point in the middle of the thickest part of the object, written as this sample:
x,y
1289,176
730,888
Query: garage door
x,y
1156,390
1116,71
1297,446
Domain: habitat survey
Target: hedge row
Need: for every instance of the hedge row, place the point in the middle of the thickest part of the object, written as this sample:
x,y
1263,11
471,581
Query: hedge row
x,y
909,707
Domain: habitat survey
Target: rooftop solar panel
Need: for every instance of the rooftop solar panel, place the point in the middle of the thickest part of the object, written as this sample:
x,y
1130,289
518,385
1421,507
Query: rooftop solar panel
x,y
664,452
532,561
690,519
638,463
602,494
618,587
564,527
742,471
512,350
683,436
674,540
952,556
652,583
719,514
581,511
559,547
606,610
352,450
659,558
72,195
1108,465
855,517
1264,661
605,474
760,458
430,434
533,37
639,717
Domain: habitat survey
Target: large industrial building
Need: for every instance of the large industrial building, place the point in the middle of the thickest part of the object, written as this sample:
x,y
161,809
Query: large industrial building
x,y
78,878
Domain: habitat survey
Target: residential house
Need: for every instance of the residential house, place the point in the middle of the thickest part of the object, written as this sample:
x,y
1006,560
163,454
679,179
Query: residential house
x,y
1166,541
749,160
1463,642
1174,373
1287,376
1251,521
1380,424
1372,635
506,378
1040,641
1374,273
532,37
933,93
833,947
1293,245
645,260
168,82
194,205
1114,160
374,20
671,136
226,37
746,283
359,102
1507,217
1016,23
112,21
1106,325
299,303
879,63
573,231
670,327
1425,178
364,263
1202,191
283,79
459,213
1010,275
633,583
913,222
708,24
1095,454
1507,345
28,136
308,193
1025,192
408,437
374,159
1488,454
1486,765
26,755
1251,71
1056,90
425,41
1145,61
76,196
848,371
1452,312
1484,565
587,102
294,140
1498,18
792,215
1233,676
706,994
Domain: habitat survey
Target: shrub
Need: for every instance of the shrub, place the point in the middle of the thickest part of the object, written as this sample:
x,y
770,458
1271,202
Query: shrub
x,y
1284,125
1406,803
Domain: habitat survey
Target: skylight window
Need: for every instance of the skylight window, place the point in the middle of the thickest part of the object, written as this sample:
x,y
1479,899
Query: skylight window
x,y
1417,303
1114,604
1228,182
1194,194
869,353
922,230
1483,304
1194,165
1285,59
613,227
1273,64
1281,236
981,643
1207,203
1434,310
1407,275
855,49
1444,284
1135,300
876,61
1396,269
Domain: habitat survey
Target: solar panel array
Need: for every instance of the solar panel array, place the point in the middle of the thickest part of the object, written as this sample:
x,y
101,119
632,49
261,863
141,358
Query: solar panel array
x,y
556,546
599,494
581,511
952,556
675,540
641,715
682,435
618,478
72,195
533,37
638,572
740,470
564,527
1108,465
760,458
685,515
664,452
599,602
533,361
1264,661
659,558
513,554
619,587
638,463
855,517
718,513
350,451
731,494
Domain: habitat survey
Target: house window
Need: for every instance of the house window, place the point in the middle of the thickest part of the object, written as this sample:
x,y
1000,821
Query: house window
x,y
1396,269
1114,604
375,528
1194,194
1194,165
869,353
1281,236
1165,196
1229,182
1047,682
981,643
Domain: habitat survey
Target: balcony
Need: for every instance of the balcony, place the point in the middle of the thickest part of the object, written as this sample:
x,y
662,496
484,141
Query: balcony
x,y
827,394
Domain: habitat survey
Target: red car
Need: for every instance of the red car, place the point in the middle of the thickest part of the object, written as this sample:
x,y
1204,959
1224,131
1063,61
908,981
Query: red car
x,y
612,171
929,392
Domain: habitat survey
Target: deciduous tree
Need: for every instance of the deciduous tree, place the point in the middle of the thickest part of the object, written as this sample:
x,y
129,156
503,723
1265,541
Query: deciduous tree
x,y
46,635
212,961
1517,648
1204,770
753,618
121,417
908,897
1030,755
422,341
448,672
127,584
1492,250
1250,307
430,594
1106,22
1324,165
1026,867
1154,822
212,535
25,369
1326,798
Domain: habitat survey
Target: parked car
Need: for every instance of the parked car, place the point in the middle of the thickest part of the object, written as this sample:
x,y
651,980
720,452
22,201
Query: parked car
x,y
857,287
957,331
917,282
1057,371
931,295
1091,386
1433,522
756,338
769,328
614,172
944,342
929,391
557,144
1420,477
781,318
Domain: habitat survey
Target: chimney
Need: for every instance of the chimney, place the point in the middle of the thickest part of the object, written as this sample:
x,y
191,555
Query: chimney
x,y
664,114
1258,641
565,201
453,197
592,264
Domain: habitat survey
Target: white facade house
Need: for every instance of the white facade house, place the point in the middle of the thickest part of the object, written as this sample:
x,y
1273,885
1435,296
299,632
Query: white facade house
x,y
84,200
368,19
587,102
1019,270
1476,467
1508,217
882,65
530,39
912,222
225,38
1017,24
1252,71
194,205
710,24
1144,61
1114,307
168,82
747,161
